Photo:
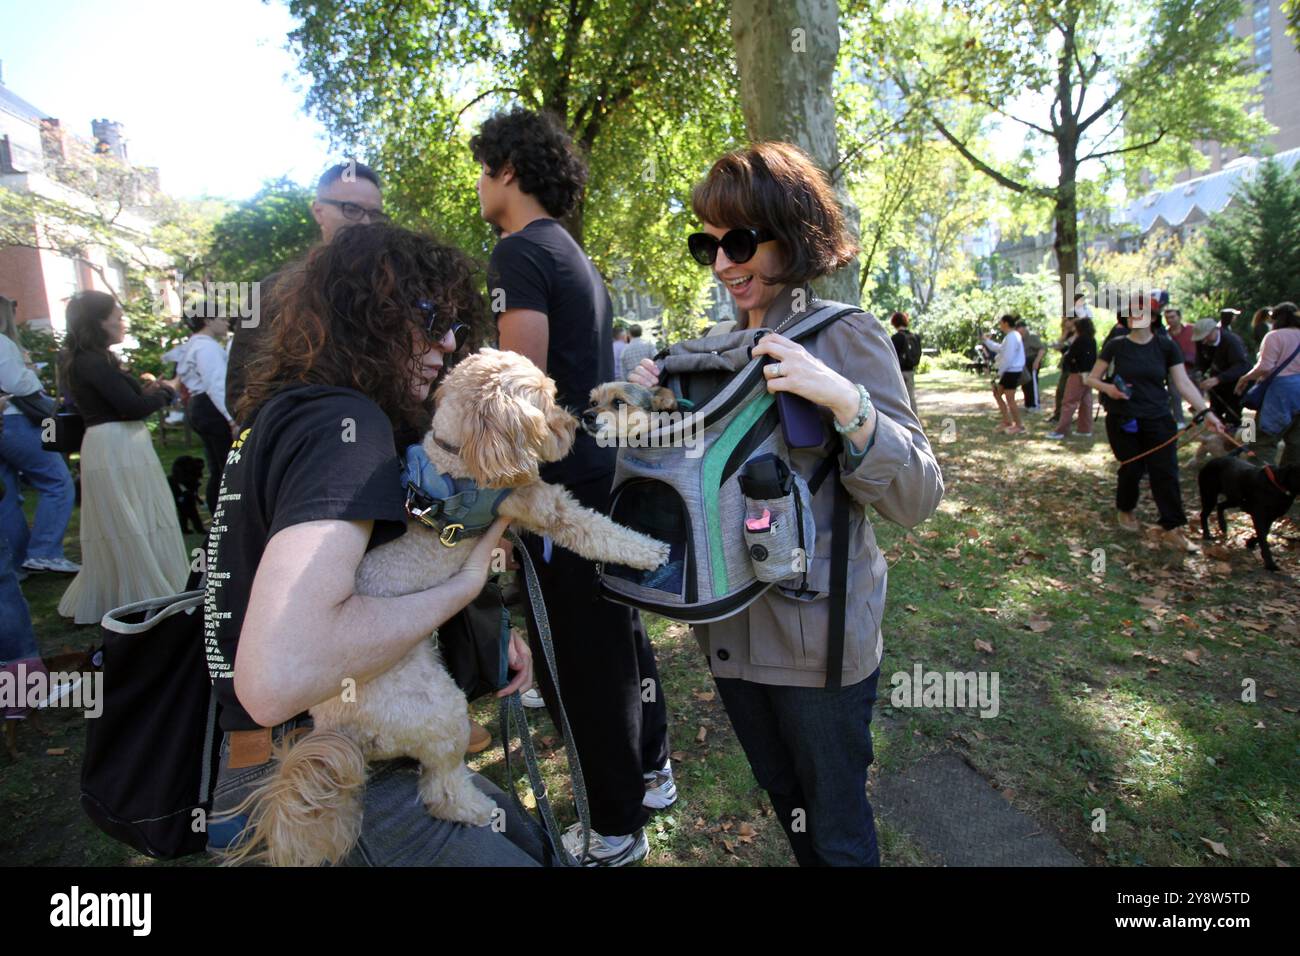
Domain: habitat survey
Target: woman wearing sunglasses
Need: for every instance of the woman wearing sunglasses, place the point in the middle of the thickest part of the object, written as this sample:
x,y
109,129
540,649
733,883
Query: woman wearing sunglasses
x,y
366,325
771,225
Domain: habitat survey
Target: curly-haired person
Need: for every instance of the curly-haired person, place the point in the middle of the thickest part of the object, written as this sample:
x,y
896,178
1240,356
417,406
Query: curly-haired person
x,y
553,307
366,324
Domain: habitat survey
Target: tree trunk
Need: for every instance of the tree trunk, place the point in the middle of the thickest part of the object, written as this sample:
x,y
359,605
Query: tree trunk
x,y
1065,214
786,51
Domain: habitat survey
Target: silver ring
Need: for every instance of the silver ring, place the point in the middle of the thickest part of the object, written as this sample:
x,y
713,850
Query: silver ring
x,y
777,371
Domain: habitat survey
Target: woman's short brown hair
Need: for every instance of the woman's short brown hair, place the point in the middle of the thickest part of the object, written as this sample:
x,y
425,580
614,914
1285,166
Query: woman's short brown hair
x,y
778,187
344,316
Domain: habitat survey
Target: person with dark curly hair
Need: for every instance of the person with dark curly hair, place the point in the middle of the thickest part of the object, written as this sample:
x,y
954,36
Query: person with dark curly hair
x,y
341,382
553,307
772,225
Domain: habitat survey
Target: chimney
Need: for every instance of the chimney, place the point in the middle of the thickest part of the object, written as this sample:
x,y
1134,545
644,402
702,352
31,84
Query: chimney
x,y
109,138
53,145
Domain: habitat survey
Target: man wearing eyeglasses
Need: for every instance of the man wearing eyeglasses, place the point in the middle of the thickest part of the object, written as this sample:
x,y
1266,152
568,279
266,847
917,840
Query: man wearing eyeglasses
x,y
346,194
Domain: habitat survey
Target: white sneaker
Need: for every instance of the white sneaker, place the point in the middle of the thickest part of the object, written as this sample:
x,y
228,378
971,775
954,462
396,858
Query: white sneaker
x,y
1053,435
59,565
532,698
607,851
660,788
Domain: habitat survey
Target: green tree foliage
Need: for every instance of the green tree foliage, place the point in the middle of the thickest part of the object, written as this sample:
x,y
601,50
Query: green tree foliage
x,y
958,319
262,234
1249,254
1123,85
646,87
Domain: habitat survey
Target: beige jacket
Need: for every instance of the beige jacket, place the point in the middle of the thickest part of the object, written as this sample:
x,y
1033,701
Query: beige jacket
x,y
782,640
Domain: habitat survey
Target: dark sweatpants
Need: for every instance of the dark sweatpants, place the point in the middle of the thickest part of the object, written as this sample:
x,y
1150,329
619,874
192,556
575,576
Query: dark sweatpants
x,y
604,658
212,427
1161,467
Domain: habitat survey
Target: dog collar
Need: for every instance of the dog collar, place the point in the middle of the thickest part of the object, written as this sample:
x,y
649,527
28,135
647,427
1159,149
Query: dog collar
x,y
456,508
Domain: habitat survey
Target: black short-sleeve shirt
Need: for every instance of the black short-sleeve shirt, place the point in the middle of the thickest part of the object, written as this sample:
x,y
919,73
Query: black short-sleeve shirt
x,y
311,453
1144,368
542,269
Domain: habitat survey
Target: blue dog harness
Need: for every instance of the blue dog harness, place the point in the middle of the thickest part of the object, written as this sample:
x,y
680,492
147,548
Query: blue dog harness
x,y
456,508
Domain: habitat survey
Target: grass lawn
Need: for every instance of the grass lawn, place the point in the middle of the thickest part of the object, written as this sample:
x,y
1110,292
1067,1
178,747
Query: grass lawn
x,y
1122,669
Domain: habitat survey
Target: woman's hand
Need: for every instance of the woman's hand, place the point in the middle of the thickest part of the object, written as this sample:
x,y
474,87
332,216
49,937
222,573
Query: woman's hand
x,y
520,660
645,374
472,576
798,371
1114,391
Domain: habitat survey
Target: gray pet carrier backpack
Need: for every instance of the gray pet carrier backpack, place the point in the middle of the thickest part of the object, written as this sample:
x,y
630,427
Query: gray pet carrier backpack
x,y
682,483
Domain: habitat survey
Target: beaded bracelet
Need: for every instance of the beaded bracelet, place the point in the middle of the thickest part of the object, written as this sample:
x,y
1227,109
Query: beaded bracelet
x,y
864,409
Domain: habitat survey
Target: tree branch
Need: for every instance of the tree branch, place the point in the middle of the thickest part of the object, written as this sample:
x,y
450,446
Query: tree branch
x,y
1124,149
484,95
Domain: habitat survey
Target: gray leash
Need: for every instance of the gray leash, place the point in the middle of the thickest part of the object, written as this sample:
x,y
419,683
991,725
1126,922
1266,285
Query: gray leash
x,y
514,719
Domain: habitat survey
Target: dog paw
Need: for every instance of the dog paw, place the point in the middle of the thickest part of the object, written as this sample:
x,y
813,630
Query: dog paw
x,y
457,799
648,554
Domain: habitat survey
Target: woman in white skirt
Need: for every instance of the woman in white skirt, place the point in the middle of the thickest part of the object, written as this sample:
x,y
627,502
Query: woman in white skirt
x,y
131,544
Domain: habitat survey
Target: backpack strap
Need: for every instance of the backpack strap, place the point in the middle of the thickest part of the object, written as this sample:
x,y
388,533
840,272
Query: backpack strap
x,y
839,594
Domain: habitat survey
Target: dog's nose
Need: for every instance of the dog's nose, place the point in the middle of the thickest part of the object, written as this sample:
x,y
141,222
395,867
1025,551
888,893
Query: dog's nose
x,y
589,418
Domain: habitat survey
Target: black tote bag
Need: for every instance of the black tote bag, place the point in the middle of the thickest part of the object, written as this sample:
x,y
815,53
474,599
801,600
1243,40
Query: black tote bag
x,y
151,755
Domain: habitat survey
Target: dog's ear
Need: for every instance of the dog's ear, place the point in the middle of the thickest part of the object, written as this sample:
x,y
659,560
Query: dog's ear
x,y
560,429
504,437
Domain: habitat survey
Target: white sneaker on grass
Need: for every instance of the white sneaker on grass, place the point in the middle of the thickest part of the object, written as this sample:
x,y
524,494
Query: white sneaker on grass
x,y
532,698
607,851
660,788
59,565
1053,435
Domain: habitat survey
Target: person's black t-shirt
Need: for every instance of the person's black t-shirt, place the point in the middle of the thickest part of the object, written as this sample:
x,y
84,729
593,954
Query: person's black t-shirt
x,y
541,268
1144,368
311,453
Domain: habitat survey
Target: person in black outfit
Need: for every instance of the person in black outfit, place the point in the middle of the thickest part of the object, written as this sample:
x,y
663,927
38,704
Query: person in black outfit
x,y
1221,359
554,308
314,482
902,339
1138,422
346,193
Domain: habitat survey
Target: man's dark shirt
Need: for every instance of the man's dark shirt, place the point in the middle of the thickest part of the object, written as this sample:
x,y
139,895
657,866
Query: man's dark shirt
x,y
1226,361
244,342
542,269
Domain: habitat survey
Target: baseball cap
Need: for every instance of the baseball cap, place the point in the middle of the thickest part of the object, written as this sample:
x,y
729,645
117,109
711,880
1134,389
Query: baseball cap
x,y
1202,329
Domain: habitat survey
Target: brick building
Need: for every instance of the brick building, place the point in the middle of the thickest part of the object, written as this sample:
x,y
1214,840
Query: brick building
x,y
39,157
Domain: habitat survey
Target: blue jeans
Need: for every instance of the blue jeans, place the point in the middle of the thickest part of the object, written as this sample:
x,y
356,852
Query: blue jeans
x,y
396,830
809,749
17,640
20,451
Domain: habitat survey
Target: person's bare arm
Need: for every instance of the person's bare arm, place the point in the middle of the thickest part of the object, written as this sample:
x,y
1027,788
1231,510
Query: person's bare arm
x,y
306,629
1093,380
527,332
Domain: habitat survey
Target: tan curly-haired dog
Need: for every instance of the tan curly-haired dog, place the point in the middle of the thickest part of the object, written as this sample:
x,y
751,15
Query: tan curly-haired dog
x,y
496,419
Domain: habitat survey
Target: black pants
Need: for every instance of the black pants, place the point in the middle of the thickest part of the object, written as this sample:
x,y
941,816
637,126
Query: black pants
x,y
213,429
1031,389
608,676
1161,466
810,749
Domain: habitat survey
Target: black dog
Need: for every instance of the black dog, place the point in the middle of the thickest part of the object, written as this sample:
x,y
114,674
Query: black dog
x,y
1265,494
186,477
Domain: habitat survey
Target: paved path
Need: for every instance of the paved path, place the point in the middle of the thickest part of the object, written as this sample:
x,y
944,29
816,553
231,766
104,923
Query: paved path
x,y
958,819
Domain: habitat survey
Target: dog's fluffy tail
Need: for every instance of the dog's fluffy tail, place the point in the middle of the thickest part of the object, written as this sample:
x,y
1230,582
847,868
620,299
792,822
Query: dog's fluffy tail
x,y
308,812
